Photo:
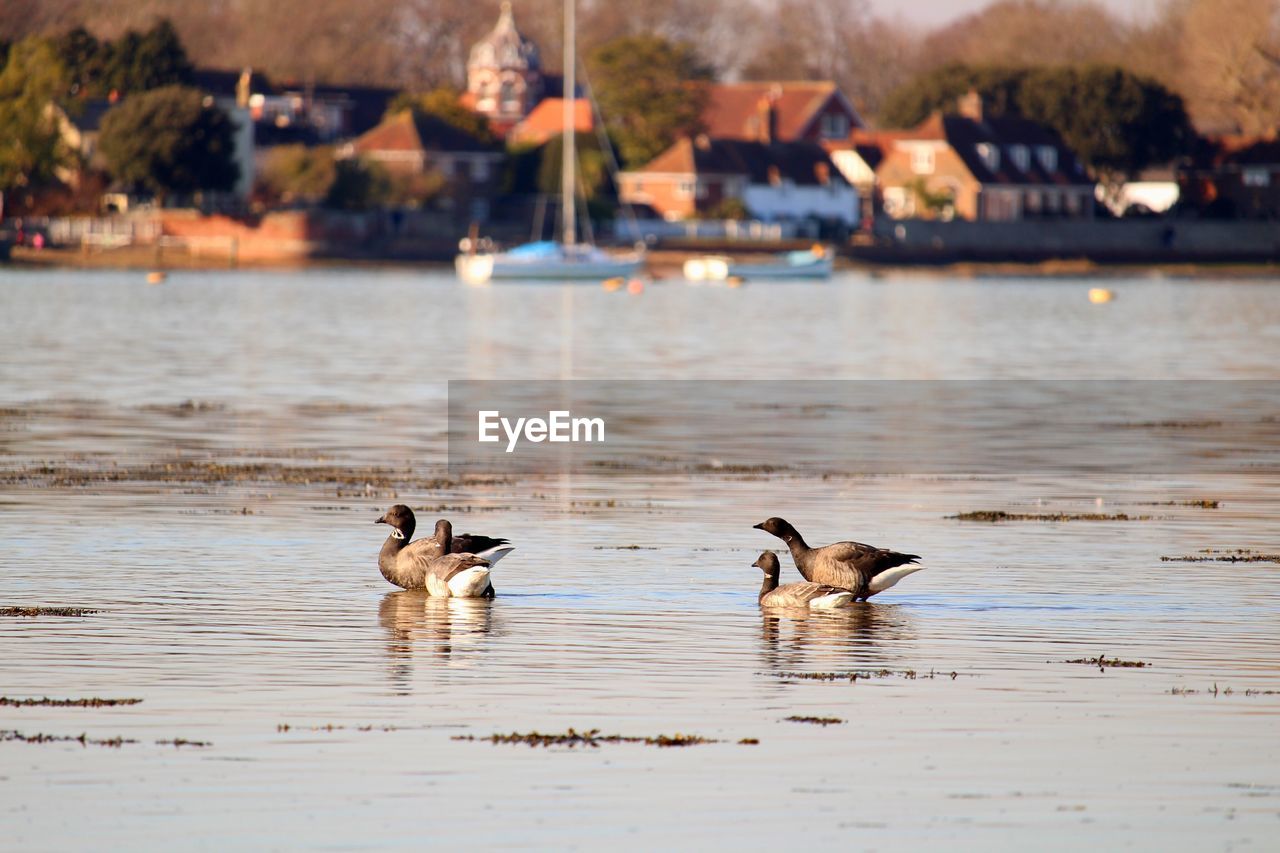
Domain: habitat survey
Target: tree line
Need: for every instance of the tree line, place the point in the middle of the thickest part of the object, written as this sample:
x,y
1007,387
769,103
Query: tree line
x,y
1221,56
1065,63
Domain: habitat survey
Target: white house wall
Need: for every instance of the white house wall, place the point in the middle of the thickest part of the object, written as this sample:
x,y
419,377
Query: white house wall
x,y
831,202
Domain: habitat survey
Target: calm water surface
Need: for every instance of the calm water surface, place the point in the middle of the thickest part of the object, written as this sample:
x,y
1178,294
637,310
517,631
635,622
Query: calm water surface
x,y
239,594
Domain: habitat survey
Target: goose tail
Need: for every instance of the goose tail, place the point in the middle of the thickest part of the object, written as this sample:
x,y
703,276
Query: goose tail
x,y
495,553
890,577
470,583
832,600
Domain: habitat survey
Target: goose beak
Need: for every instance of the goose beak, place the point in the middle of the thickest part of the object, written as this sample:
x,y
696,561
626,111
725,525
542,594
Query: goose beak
x,y
382,520
759,526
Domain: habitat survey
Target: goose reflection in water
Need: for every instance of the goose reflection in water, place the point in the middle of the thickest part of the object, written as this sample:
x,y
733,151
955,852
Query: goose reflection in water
x,y
448,630
848,638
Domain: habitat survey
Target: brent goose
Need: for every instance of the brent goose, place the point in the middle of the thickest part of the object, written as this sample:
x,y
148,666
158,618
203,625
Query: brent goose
x,y
424,565
815,596
862,569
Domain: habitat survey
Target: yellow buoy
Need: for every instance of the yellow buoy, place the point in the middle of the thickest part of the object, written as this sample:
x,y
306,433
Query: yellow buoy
x,y
156,277
1099,295
734,281
612,284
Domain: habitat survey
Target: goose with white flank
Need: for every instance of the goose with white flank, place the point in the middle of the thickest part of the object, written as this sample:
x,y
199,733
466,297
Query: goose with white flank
x,y
863,570
454,572
815,596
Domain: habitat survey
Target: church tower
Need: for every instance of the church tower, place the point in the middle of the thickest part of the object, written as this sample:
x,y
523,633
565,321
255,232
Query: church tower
x,y
504,73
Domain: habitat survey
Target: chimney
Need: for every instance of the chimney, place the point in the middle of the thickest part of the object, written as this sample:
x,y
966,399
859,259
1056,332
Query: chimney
x,y
244,87
969,105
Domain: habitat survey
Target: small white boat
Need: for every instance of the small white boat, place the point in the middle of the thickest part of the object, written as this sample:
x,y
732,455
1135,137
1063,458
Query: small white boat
x,y
546,261
808,263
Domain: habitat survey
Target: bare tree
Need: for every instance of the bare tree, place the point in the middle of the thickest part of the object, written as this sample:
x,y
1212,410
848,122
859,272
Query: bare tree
x,y
1231,75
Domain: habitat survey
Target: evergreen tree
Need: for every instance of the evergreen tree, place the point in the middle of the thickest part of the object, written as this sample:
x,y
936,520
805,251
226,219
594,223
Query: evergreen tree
x,y
648,92
169,140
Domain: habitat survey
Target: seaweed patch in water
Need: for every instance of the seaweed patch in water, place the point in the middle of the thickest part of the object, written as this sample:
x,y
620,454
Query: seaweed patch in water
x,y
1215,691
996,515
854,675
180,741
1102,662
46,611
591,738
330,727
82,739
817,721
46,702
1214,555
1199,504
625,548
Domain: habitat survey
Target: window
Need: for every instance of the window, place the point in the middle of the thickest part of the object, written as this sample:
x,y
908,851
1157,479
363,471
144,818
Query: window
x,y
479,170
1256,176
922,160
1048,157
1021,157
686,189
990,155
834,126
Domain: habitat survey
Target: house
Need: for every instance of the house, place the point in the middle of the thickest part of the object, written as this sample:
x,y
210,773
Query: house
x,y
546,121
412,143
857,157
775,111
775,181
1235,177
985,168
79,128
291,112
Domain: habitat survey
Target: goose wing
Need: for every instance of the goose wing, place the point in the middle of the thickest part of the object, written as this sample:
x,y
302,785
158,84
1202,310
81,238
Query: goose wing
x,y
472,543
852,565
798,594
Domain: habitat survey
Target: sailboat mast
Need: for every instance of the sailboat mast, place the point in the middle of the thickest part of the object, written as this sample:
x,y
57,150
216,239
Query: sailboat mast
x,y
569,162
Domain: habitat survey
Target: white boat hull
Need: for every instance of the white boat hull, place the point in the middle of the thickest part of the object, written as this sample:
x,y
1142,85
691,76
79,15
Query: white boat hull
x,y
720,268
482,268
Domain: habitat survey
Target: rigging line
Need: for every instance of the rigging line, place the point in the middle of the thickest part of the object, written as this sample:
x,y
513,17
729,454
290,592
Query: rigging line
x,y
603,138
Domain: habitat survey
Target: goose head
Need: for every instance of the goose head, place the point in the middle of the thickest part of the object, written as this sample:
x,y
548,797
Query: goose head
x,y
402,522
768,563
444,536
779,527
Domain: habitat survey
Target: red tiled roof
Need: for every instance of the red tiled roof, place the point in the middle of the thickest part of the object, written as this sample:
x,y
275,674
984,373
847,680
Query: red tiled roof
x,y
415,131
803,163
733,110
547,120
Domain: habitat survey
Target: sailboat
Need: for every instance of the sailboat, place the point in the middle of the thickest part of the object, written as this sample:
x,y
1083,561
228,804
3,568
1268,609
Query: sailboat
x,y
548,260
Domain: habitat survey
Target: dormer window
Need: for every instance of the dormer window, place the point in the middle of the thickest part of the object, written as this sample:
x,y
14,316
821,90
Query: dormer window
x,y
990,155
1021,157
922,160
1048,157
834,126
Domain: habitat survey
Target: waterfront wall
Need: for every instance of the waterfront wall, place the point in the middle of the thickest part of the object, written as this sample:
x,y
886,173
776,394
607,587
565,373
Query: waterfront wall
x,y
1144,240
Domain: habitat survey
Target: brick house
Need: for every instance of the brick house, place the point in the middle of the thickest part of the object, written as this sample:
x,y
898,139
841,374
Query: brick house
x,y
982,168
412,143
775,181
1234,177
774,111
